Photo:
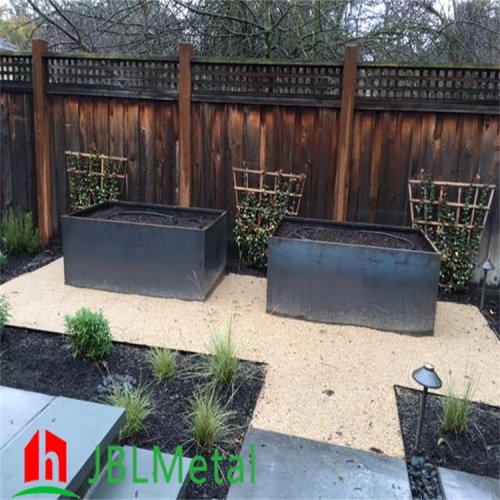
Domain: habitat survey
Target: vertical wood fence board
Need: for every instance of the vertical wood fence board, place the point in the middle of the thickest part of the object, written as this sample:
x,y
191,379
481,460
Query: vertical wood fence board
x,y
131,145
6,165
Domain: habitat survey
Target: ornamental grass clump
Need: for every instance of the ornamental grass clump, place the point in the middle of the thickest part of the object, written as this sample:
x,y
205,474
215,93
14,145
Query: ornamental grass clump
x,y
88,334
223,362
18,233
163,362
4,312
209,420
455,410
138,405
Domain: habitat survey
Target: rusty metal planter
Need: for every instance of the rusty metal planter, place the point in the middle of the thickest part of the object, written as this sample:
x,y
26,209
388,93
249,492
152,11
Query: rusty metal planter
x,y
143,258
383,288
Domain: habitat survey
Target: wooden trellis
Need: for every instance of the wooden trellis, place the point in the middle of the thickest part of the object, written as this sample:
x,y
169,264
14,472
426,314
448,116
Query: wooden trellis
x,y
112,167
262,182
455,194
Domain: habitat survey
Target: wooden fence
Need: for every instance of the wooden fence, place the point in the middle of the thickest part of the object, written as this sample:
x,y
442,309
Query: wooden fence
x,y
358,131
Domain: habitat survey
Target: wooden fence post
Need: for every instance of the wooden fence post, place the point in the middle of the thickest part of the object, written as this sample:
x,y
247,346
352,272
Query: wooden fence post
x,y
42,141
184,83
345,132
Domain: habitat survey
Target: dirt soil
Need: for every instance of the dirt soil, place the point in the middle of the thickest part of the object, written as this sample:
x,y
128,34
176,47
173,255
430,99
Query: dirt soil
x,y
41,362
351,236
330,383
20,264
152,216
476,451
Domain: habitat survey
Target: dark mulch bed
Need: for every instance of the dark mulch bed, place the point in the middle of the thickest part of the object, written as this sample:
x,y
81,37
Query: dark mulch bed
x,y
20,264
406,240
476,451
472,295
41,362
237,267
157,216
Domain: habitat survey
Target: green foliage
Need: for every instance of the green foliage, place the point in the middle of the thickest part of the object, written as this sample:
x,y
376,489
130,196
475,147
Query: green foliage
x,y
457,239
163,362
4,312
209,420
258,218
3,260
137,403
18,234
87,186
455,410
88,334
223,363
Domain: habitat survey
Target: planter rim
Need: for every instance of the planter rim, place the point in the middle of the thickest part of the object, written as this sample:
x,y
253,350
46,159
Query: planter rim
x,y
356,224
78,214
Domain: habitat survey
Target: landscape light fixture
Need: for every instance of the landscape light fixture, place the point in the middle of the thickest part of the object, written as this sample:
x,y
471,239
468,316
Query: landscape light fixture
x,y
429,379
486,266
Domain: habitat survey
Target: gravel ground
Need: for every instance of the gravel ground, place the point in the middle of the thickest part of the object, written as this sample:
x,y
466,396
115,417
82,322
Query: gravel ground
x,y
325,382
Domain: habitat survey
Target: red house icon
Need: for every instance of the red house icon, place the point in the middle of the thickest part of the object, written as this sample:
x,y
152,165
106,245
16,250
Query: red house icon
x,y
53,444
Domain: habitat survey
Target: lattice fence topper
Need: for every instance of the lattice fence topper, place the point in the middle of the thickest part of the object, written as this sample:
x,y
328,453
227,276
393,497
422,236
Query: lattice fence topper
x,y
291,80
15,68
95,178
428,83
262,183
114,73
460,204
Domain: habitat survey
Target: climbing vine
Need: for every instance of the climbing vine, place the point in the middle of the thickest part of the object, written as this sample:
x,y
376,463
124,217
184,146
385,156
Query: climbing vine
x,y
455,229
94,178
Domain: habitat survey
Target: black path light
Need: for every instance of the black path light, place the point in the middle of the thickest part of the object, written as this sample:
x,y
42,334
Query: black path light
x,y
429,379
486,266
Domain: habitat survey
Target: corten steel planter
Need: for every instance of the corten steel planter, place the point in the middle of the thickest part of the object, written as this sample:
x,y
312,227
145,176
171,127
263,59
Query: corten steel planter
x,y
377,287
144,258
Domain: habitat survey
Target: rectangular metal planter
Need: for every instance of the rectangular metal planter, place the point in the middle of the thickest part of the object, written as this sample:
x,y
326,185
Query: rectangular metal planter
x,y
143,258
382,288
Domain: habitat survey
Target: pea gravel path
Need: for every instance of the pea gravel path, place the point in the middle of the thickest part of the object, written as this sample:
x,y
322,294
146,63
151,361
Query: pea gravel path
x,y
324,382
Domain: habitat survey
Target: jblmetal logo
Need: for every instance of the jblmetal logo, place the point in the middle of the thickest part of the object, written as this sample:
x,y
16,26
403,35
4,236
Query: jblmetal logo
x,y
53,445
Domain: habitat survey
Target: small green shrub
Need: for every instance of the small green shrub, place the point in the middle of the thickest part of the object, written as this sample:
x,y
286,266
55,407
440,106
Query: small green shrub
x,y
88,334
4,312
163,362
223,362
18,233
138,406
455,410
3,260
209,420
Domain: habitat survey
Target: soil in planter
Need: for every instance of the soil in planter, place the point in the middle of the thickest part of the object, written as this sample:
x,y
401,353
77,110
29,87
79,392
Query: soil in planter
x,y
20,264
153,216
354,236
41,362
476,451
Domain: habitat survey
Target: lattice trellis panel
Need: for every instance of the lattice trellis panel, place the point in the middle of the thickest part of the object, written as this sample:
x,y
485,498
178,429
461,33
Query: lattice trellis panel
x,y
117,73
470,204
15,69
291,80
260,183
428,83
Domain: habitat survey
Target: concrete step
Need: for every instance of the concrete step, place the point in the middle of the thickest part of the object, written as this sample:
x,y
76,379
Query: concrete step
x,y
291,467
82,425
130,489
459,485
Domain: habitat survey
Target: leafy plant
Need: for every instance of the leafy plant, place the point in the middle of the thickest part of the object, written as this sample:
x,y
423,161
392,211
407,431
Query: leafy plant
x,y
209,420
18,234
4,312
93,179
138,406
3,260
258,218
455,410
163,362
88,334
222,363
457,238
